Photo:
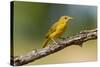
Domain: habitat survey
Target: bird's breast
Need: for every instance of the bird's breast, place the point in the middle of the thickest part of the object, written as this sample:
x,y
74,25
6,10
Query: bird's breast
x,y
61,29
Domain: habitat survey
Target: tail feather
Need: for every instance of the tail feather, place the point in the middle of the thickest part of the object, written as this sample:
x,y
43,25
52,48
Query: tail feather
x,y
45,42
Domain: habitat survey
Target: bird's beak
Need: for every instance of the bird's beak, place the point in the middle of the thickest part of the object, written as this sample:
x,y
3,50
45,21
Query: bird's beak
x,y
70,18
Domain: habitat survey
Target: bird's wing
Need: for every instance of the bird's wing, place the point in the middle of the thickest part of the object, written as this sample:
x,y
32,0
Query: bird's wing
x,y
52,29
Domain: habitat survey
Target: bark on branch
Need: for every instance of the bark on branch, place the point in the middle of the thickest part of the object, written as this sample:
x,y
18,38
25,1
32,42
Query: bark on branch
x,y
78,39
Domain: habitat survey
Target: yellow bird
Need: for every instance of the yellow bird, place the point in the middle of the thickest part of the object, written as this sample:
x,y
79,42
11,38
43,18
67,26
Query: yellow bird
x,y
56,30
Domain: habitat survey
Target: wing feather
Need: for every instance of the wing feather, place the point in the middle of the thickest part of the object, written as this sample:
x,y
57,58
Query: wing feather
x,y
52,29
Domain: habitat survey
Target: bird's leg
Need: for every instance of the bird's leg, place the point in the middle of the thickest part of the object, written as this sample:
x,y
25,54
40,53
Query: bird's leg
x,y
54,41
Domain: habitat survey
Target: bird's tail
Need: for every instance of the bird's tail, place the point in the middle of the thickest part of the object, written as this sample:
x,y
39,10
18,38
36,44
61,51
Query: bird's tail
x,y
45,42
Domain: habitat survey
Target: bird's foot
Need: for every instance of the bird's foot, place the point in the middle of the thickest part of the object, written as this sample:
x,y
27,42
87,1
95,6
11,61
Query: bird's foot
x,y
54,41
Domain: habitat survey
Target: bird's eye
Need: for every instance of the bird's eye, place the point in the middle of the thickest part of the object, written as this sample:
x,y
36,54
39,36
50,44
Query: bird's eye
x,y
65,17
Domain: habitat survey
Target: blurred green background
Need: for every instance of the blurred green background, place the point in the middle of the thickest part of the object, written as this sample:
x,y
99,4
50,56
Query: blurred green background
x,y
32,20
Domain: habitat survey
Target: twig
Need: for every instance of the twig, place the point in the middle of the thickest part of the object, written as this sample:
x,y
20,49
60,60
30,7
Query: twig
x,y
50,49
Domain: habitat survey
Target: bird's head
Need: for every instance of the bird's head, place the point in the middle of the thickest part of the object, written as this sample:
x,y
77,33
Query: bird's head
x,y
65,18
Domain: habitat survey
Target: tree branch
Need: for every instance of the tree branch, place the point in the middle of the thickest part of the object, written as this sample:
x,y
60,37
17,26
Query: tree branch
x,y
78,39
